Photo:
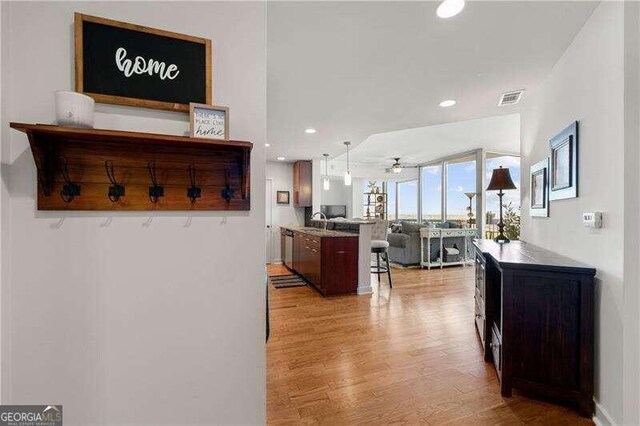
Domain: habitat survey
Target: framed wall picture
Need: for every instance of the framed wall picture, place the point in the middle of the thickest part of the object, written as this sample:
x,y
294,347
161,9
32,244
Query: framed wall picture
x,y
209,121
128,64
539,174
282,197
563,168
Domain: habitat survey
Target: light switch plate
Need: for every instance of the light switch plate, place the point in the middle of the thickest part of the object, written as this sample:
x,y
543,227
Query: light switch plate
x,y
592,219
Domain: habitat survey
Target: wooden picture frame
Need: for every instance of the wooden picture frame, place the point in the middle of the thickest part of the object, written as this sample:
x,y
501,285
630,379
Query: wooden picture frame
x,y
107,95
539,189
563,167
282,197
204,127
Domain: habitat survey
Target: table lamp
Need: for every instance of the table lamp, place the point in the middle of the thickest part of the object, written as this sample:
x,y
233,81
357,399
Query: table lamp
x,y
501,180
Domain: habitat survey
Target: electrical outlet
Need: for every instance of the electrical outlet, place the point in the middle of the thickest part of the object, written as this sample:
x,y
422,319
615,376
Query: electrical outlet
x,y
592,220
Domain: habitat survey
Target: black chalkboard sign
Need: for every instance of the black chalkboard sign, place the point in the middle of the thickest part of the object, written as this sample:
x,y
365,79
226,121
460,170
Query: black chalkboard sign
x,y
128,64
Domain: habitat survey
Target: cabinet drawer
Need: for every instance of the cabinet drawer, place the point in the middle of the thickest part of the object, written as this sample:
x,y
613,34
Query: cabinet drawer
x,y
496,350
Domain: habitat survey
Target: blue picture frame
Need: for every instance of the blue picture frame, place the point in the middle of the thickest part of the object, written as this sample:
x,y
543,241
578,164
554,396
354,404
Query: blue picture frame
x,y
563,167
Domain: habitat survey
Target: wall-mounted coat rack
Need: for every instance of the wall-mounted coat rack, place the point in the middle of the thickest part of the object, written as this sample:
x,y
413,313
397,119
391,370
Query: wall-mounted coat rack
x,y
89,169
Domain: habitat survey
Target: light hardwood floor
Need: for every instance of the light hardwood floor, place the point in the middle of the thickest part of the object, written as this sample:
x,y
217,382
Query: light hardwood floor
x,y
409,355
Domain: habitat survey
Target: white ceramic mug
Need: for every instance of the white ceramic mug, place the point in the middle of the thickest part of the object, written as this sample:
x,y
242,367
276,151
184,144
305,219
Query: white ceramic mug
x,y
74,109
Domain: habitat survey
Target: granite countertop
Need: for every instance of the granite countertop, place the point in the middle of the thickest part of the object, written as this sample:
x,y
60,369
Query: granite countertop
x,y
317,232
348,221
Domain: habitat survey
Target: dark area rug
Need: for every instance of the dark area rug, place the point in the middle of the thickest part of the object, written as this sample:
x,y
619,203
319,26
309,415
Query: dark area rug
x,y
286,281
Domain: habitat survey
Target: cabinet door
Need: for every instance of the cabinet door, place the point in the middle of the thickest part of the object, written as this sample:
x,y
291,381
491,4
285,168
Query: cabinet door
x,y
339,265
296,184
315,260
480,313
302,184
297,252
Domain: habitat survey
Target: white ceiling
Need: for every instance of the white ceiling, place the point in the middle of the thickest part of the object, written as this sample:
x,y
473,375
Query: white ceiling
x,y
420,145
355,69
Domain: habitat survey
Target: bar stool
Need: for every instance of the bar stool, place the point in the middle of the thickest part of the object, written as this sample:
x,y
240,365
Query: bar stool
x,y
380,246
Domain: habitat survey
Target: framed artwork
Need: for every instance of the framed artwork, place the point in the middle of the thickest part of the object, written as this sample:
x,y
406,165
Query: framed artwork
x,y
563,168
539,174
282,197
208,121
128,64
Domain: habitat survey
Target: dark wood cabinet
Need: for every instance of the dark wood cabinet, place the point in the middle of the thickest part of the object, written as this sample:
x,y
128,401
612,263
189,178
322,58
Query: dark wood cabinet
x,y
535,317
480,298
297,252
302,186
329,263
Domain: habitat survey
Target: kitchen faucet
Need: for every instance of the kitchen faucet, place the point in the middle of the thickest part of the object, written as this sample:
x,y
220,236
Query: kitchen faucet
x,y
325,218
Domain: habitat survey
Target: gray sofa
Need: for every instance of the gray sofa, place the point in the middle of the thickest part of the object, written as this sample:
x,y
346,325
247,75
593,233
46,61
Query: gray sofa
x,y
404,247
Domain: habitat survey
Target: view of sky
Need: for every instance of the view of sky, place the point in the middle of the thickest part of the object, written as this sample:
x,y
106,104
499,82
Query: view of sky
x,y
461,179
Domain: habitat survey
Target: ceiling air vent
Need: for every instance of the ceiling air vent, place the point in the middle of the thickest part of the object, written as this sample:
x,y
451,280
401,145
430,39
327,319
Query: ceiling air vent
x,y
510,98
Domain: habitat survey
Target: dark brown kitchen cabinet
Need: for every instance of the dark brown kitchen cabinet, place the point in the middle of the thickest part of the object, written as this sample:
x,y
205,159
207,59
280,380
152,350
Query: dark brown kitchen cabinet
x,y
535,318
302,184
297,252
328,263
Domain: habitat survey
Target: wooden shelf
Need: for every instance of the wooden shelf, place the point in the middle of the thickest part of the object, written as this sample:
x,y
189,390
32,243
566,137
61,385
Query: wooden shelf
x,y
222,168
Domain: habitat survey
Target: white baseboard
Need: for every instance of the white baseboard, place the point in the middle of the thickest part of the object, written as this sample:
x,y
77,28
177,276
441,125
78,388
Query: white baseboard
x,y
364,290
602,417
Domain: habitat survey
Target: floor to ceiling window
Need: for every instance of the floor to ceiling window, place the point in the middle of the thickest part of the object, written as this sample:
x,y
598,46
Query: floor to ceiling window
x,y
511,199
408,199
391,200
457,177
460,180
431,177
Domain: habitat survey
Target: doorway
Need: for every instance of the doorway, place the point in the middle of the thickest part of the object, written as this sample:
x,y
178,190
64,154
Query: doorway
x,y
269,220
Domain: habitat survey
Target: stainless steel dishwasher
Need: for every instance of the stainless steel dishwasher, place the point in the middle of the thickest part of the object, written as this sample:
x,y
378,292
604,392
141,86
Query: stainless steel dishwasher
x,y
288,248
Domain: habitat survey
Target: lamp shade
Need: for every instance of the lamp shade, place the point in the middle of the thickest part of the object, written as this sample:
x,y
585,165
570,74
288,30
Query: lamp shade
x,y
500,180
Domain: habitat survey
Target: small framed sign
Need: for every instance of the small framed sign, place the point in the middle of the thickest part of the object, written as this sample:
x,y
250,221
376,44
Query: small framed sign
x,y
209,121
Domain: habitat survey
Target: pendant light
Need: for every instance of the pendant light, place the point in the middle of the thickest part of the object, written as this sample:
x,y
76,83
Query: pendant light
x,y
325,182
347,174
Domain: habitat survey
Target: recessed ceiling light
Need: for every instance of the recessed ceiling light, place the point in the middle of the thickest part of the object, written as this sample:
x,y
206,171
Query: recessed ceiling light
x,y
310,131
447,103
267,145
450,8
281,158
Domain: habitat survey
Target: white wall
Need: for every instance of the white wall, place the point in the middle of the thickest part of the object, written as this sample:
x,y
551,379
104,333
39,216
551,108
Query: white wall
x,y
587,84
120,322
631,356
281,176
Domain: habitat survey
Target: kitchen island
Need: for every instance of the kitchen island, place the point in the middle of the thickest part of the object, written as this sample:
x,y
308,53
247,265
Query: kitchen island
x,y
327,259
363,228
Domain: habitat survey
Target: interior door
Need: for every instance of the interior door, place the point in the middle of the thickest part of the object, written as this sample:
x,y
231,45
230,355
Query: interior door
x,y
269,220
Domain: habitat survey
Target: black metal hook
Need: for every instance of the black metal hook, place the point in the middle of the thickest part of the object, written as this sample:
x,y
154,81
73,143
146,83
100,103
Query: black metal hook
x,y
116,190
193,192
227,192
155,191
69,189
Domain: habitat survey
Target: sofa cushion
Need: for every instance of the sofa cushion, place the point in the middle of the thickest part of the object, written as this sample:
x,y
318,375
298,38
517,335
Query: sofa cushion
x,y
398,240
411,227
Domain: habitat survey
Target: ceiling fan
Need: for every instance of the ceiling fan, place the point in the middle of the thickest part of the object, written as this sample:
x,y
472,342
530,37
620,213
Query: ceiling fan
x,y
397,167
